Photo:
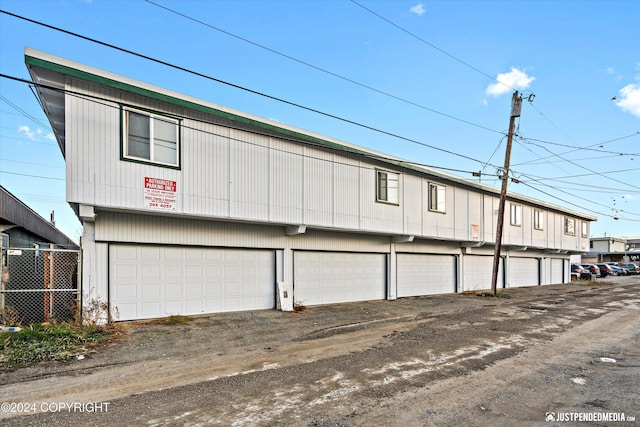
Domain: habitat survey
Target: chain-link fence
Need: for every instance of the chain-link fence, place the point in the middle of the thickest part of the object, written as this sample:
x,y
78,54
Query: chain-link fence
x,y
38,285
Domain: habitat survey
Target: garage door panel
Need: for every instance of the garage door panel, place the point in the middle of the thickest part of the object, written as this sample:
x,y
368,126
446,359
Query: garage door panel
x,y
157,281
523,272
127,310
557,271
425,274
172,290
478,271
334,277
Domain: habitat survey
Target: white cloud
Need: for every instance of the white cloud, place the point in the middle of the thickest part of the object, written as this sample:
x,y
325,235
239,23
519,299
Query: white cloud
x,y
35,135
418,9
629,99
506,82
28,132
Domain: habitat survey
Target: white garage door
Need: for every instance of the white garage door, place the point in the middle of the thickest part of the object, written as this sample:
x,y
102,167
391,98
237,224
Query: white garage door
x,y
477,271
334,277
148,281
421,274
557,271
523,272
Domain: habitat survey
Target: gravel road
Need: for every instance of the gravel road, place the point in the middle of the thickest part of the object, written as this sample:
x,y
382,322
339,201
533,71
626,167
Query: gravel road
x,y
559,351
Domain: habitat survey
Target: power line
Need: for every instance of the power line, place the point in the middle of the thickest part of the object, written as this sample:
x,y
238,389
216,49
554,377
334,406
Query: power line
x,y
578,206
32,176
588,148
109,103
582,175
474,69
195,73
323,70
582,148
586,168
24,113
455,58
30,163
27,140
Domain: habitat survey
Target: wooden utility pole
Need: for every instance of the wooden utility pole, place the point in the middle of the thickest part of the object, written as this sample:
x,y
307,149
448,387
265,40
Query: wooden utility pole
x,y
516,106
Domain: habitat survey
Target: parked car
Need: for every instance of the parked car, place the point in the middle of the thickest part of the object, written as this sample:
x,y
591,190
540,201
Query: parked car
x,y
617,270
633,268
592,268
580,272
605,270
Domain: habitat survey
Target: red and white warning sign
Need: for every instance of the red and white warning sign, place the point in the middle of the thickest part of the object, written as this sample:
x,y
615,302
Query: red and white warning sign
x,y
159,193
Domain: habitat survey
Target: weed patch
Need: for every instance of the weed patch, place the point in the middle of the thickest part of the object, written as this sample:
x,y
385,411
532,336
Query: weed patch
x,y
173,320
491,294
51,342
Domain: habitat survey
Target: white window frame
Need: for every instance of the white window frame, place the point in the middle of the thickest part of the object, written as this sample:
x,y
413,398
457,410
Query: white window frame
x,y
538,219
569,226
437,197
515,217
585,229
153,142
387,187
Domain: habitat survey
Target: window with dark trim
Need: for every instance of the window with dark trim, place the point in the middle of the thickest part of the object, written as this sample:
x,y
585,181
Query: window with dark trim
x,y
437,198
150,138
387,187
516,214
538,219
570,226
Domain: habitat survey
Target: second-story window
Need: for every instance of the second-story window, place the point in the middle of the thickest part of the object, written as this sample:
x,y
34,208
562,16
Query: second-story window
x,y
387,187
538,219
437,195
516,214
585,229
570,226
150,137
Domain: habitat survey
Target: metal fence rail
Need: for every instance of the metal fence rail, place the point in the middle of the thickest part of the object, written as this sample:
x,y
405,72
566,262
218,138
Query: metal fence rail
x,y
39,285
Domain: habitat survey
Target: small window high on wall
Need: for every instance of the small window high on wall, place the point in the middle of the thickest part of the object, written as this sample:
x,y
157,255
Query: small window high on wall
x,y
387,187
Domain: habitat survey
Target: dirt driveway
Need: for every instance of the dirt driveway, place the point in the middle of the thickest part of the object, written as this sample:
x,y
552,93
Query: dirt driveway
x,y
442,360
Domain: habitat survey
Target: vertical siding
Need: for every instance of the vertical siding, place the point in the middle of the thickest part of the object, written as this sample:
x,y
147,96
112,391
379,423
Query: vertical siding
x,y
249,166
239,174
207,191
475,213
318,180
413,203
287,182
461,213
346,193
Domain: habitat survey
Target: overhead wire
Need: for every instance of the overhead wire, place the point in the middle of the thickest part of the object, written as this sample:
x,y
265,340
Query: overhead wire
x,y
581,206
588,169
23,112
471,67
323,70
109,103
272,97
236,86
455,58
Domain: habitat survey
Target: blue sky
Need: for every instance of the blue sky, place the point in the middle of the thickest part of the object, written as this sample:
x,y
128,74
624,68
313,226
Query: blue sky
x,y
425,71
